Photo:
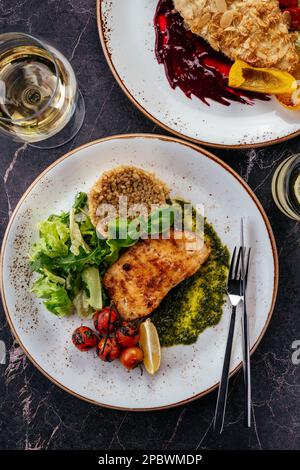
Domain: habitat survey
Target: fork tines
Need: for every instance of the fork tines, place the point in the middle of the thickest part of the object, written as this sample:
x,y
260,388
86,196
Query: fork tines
x,y
235,270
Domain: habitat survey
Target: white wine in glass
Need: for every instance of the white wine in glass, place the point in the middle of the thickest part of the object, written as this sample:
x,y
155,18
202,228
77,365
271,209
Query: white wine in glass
x,y
40,102
286,187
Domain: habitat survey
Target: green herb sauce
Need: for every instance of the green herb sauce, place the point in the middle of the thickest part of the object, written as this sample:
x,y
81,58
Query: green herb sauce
x,y
197,302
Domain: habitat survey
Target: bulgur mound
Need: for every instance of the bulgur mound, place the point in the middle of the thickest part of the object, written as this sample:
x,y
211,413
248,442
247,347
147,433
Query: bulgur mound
x,y
140,187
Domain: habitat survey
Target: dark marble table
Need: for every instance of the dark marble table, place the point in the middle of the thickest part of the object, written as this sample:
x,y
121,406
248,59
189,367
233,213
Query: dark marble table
x,y
34,413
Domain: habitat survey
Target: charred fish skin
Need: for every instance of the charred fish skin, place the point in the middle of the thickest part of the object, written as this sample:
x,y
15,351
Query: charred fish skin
x,y
255,31
146,272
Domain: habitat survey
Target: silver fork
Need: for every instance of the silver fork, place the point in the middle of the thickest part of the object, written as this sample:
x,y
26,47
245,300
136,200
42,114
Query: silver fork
x,y
235,294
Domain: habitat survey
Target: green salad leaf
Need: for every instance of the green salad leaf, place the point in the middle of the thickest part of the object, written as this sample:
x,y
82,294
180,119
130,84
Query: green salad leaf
x,y
81,201
63,217
68,257
55,295
92,285
77,240
160,220
81,304
119,236
89,298
77,263
54,237
53,277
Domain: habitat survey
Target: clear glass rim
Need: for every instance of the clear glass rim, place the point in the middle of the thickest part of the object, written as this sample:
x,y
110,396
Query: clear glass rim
x,y
294,160
53,59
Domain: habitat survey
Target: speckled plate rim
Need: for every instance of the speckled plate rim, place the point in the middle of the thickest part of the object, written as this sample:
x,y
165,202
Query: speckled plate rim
x,y
146,136
121,83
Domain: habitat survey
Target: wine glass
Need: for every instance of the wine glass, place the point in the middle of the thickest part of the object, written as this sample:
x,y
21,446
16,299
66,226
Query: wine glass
x,y
286,187
40,102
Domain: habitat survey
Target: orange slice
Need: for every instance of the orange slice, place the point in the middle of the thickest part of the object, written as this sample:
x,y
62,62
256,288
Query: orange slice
x,y
261,80
291,101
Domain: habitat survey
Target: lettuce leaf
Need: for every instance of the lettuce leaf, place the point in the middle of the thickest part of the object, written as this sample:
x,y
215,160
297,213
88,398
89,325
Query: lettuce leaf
x,y
80,202
54,238
92,285
63,217
89,298
53,277
119,236
78,263
55,296
82,306
77,240
88,231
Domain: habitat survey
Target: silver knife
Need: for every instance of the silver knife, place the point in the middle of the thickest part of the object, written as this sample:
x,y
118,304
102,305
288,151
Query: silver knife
x,y
245,337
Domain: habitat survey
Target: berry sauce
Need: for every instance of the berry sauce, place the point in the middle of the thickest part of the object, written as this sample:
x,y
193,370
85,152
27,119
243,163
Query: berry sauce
x,y
191,64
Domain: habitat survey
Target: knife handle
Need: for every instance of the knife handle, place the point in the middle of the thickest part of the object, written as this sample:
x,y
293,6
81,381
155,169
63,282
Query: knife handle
x,y
223,388
246,367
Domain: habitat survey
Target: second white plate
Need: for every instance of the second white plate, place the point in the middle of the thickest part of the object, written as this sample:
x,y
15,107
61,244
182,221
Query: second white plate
x,y
128,38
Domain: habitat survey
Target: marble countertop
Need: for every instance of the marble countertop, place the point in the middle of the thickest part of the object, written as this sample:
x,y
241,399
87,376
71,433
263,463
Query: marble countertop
x,y
34,413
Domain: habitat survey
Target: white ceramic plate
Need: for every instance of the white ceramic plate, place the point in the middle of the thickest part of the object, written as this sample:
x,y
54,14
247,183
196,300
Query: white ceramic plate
x,y
128,38
186,372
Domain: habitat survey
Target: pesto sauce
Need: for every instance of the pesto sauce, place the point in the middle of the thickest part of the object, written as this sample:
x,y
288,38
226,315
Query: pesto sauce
x,y
196,303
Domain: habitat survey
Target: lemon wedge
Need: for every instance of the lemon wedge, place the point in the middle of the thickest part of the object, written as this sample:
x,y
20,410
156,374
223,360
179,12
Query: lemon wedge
x,y
149,342
261,80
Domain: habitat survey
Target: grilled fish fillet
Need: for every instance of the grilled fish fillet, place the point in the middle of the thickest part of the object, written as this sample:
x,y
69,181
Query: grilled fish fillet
x,y
255,31
146,272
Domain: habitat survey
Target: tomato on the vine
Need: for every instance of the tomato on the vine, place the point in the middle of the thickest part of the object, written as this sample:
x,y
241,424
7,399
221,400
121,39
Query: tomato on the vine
x,y
132,357
106,321
127,335
108,349
84,338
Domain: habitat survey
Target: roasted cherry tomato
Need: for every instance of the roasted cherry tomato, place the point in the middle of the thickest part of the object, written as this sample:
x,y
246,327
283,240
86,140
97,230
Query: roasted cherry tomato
x,y
132,357
106,320
295,18
108,349
288,3
84,338
127,335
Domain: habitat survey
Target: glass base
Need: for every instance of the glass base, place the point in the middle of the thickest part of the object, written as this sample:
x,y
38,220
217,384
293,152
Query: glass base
x,y
68,132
